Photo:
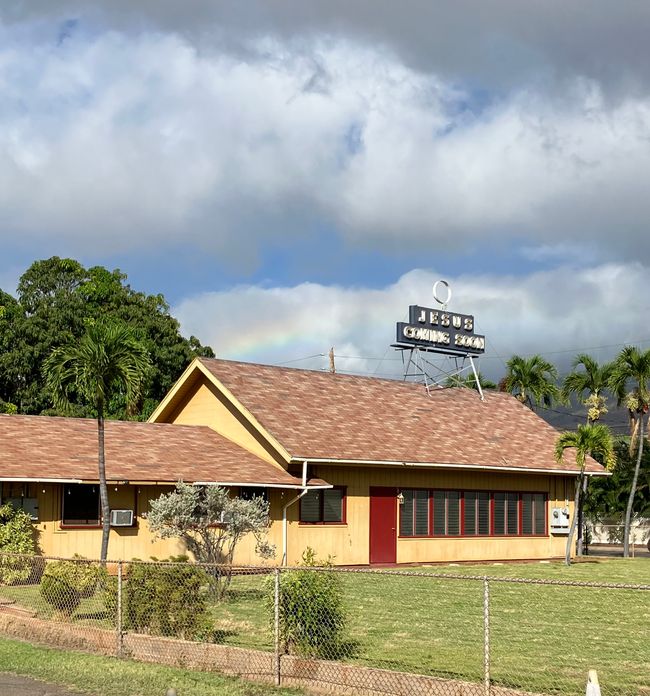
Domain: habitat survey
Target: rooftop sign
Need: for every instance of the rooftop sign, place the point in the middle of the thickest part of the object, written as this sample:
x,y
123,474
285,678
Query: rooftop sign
x,y
439,331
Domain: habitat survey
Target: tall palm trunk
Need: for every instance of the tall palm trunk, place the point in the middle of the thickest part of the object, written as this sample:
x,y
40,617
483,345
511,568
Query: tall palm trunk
x,y
581,517
574,519
103,488
581,510
630,502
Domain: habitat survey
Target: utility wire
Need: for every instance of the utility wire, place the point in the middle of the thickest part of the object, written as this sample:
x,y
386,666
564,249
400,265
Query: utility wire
x,y
497,355
307,357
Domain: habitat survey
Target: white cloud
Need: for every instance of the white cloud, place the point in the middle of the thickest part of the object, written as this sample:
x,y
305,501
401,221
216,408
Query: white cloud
x,y
557,313
119,142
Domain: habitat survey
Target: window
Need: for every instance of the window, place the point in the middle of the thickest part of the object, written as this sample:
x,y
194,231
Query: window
x,y
21,496
482,513
476,517
250,492
533,513
506,513
325,506
446,513
414,513
80,504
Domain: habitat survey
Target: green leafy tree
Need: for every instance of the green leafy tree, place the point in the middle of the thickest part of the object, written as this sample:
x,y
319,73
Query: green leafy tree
x,y
106,362
57,299
588,384
608,495
13,363
211,523
531,380
588,440
630,382
16,538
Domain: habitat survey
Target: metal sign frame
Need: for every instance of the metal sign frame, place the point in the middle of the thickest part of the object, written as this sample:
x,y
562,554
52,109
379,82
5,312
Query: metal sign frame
x,y
432,331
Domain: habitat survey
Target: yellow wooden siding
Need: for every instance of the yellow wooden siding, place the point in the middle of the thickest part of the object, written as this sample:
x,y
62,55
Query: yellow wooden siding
x,y
126,543
203,404
349,543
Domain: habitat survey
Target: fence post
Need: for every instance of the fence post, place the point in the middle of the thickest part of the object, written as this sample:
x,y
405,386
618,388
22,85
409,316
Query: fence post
x,y
276,626
486,636
118,623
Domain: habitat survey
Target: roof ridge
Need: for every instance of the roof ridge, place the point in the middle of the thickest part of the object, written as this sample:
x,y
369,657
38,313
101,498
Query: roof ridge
x,y
107,421
324,373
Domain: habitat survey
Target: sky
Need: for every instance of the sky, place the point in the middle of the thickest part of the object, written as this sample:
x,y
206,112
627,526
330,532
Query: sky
x,y
292,176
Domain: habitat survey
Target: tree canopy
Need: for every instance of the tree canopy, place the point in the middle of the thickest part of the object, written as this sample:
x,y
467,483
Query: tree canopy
x,y
211,523
630,382
108,362
531,380
608,496
57,299
587,440
593,379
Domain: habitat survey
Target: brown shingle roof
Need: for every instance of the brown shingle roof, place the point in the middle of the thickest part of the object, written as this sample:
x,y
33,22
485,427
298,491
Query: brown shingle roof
x,y
319,415
41,447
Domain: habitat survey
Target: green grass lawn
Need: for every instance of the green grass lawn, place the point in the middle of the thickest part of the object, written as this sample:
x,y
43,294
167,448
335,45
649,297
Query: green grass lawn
x,y
107,676
543,638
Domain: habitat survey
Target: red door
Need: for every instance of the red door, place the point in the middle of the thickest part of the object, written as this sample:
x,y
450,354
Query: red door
x,y
383,525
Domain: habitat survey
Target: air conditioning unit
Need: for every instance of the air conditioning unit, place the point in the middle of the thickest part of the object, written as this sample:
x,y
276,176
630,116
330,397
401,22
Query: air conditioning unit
x,y
121,518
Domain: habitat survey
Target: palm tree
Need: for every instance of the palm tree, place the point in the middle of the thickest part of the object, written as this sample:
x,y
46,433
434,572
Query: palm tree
x,y
107,362
629,381
592,380
593,440
531,381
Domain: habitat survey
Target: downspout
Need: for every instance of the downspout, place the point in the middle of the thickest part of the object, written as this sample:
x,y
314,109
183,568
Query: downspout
x,y
285,526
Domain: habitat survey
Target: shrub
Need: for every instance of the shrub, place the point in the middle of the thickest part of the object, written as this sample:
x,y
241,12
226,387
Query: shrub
x,y
16,537
211,523
164,600
65,583
312,616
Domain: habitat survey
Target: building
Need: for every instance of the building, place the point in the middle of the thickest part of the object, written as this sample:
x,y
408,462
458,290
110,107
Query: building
x,y
361,469
48,467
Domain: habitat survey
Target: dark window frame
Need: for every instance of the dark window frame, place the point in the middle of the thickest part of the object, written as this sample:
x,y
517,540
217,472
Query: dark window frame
x,y
321,521
533,514
414,515
76,524
8,491
491,535
250,492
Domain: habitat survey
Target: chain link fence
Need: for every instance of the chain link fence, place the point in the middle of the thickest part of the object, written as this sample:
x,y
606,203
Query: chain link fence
x,y
347,631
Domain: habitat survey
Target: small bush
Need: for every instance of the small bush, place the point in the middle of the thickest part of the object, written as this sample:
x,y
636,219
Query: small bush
x,y
65,583
164,600
312,616
16,537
